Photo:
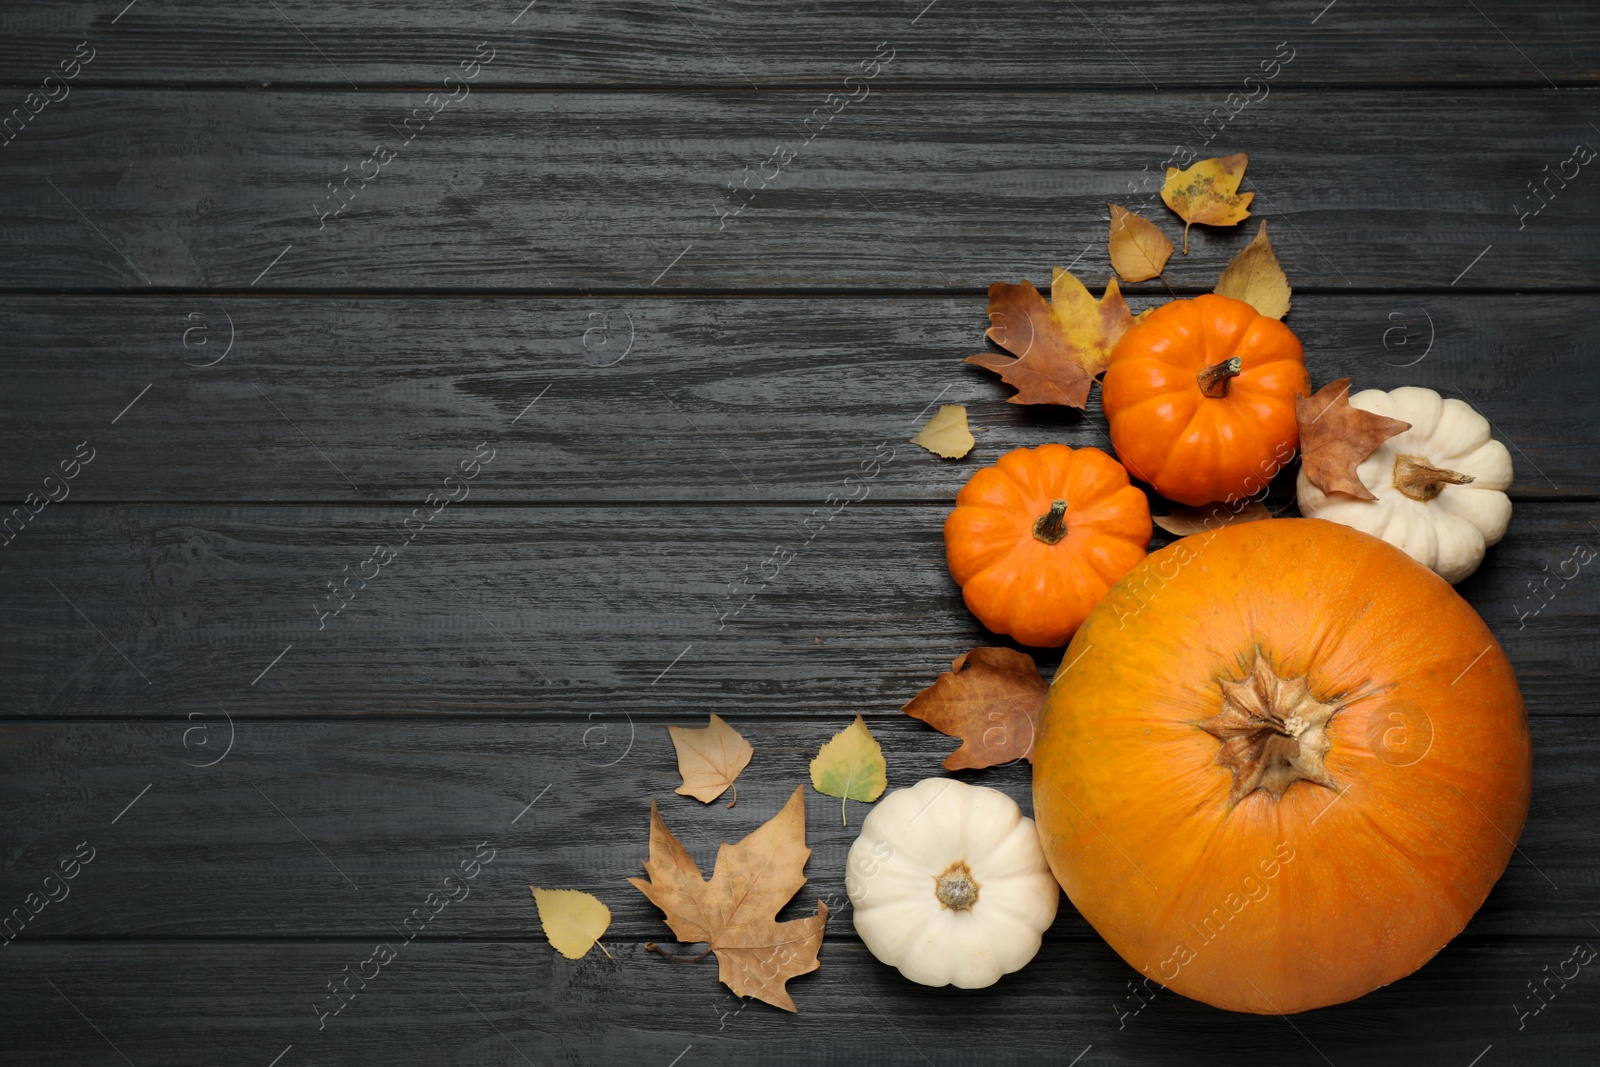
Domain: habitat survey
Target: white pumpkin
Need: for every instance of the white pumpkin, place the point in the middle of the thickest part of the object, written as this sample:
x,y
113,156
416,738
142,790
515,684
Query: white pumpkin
x,y
1440,486
948,882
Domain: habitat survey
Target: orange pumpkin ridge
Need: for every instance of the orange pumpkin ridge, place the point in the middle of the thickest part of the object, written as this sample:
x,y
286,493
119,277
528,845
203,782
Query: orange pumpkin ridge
x,y
1282,765
1200,398
1037,539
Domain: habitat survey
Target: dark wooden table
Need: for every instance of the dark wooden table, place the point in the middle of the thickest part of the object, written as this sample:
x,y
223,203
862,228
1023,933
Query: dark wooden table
x,y
622,267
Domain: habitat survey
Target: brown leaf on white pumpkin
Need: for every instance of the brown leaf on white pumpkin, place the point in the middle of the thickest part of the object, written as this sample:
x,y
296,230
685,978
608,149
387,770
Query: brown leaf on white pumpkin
x,y
1335,437
735,912
1186,521
991,699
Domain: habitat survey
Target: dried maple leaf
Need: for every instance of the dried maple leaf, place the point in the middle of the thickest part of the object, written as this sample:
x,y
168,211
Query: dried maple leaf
x,y
573,921
946,434
1208,193
1139,251
850,766
1059,346
710,759
1255,277
991,699
1335,437
1186,521
735,912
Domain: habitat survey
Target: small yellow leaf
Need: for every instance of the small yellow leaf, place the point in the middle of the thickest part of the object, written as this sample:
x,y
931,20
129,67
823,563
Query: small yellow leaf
x,y
573,921
1208,193
1139,251
851,766
946,434
710,759
1255,277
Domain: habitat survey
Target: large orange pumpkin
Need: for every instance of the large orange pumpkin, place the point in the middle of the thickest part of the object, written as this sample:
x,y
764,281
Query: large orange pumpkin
x,y
1282,765
1035,540
1200,397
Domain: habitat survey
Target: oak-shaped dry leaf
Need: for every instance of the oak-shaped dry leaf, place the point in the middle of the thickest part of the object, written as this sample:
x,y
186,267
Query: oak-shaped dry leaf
x,y
1255,277
1335,437
1058,347
710,759
946,434
735,912
1139,250
1208,193
573,921
991,699
1186,521
850,766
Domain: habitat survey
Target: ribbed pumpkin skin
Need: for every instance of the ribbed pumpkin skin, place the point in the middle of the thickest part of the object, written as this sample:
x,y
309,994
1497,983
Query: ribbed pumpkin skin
x,y
1018,585
1194,448
1280,906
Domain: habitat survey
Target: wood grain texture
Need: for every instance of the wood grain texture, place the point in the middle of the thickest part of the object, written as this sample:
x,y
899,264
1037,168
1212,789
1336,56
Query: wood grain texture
x,y
567,612
514,1003
695,400
339,829
231,190
743,43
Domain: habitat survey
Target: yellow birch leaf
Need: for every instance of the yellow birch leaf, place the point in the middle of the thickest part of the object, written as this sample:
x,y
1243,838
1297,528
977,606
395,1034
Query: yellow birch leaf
x,y
851,767
946,434
1139,251
710,759
1208,193
1255,277
573,921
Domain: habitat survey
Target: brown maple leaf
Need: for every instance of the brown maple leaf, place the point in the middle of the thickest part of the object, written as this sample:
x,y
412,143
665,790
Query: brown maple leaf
x,y
1335,437
991,699
735,912
1058,347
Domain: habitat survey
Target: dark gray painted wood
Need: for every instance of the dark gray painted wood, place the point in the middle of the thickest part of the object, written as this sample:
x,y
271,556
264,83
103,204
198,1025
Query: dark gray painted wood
x,y
743,43
697,400
389,809
570,191
576,611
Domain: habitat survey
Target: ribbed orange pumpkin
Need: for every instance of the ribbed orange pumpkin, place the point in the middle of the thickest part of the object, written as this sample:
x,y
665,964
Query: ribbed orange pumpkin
x,y
1282,765
1200,397
1037,539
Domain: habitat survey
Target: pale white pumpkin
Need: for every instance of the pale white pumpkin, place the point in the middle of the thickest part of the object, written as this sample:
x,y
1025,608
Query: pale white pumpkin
x,y
1440,486
948,883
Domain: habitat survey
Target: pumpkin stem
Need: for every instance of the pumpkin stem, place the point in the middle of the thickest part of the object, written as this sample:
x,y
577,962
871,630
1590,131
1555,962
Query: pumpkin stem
x,y
956,888
1051,527
1273,732
1214,379
1420,480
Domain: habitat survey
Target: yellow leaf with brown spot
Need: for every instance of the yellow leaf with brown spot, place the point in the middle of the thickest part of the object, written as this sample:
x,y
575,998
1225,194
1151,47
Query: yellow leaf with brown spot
x,y
1208,193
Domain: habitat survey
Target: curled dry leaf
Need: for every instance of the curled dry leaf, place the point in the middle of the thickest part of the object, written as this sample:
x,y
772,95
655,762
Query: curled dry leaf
x,y
1335,437
851,766
946,434
1058,347
991,699
710,759
735,912
1208,193
1186,521
573,921
1255,277
1139,250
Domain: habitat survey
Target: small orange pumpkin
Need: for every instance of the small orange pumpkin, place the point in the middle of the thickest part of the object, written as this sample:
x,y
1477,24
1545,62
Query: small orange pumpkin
x,y
1282,765
1037,539
1200,397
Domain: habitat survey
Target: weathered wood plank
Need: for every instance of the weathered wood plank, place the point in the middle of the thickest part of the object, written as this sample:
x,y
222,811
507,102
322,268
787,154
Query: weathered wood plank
x,y
515,1003
740,43
572,611
574,192
695,399
387,810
